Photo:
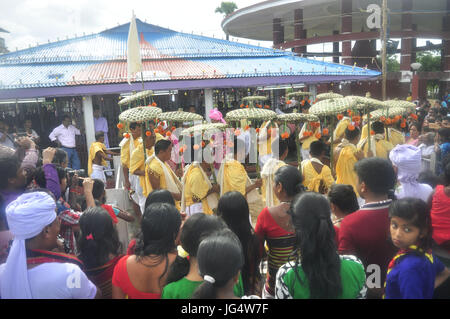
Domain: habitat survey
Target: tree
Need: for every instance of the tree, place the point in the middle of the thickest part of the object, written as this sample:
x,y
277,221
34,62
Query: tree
x,y
430,60
226,8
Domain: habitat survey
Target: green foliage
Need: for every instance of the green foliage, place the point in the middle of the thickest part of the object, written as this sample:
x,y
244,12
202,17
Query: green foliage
x,y
430,60
393,65
226,8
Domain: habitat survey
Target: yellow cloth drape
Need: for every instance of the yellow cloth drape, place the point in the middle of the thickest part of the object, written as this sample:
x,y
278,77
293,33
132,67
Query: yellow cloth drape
x,y
196,189
265,145
395,137
125,152
312,178
345,173
154,168
137,162
95,147
307,142
264,184
341,127
382,148
235,177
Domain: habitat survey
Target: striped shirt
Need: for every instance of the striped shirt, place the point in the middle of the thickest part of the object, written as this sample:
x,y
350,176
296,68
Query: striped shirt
x,y
280,243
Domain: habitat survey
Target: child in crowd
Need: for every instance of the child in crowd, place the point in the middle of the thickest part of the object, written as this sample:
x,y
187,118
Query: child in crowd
x,y
343,201
220,259
183,277
414,272
322,273
365,233
99,248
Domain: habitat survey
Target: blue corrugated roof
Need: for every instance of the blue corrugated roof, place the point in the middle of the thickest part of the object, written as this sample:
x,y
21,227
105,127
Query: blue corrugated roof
x,y
167,54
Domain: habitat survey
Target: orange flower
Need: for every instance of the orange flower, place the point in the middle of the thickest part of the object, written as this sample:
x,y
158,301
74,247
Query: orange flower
x,y
403,125
168,134
356,118
120,126
257,130
269,131
237,132
302,102
203,143
242,105
372,132
414,116
340,117
126,135
383,119
325,132
267,106
351,127
318,135
309,101
173,128
305,134
156,130
388,121
285,135
148,133
196,147
246,106
181,150
288,102
154,104
349,112
247,128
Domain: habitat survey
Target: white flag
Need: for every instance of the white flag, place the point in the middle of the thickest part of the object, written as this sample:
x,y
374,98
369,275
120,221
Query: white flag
x,y
134,62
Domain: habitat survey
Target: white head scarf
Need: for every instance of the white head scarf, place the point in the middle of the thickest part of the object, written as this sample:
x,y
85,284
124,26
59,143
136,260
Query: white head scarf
x,y
27,216
408,160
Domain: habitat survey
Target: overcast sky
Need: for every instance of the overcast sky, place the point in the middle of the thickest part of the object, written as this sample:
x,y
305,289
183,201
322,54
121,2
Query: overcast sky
x,y
32,21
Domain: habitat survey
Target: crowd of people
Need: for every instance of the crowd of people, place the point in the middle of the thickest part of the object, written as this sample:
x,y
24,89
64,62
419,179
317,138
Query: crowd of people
x,y
349,221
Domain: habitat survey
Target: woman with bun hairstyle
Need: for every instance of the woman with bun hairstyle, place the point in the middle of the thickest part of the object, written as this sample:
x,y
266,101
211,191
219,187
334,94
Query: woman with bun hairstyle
x,y
274,225
99,247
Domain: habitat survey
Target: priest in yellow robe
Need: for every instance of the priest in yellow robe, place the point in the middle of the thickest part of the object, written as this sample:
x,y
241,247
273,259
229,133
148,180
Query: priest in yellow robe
x,y
160,174
317,176
379,146
98,155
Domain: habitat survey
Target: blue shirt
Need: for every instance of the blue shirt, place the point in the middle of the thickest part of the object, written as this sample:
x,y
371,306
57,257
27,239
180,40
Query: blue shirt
x,y
445,149
413,277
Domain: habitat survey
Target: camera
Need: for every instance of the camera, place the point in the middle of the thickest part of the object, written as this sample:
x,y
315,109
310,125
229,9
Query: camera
x,y
80,173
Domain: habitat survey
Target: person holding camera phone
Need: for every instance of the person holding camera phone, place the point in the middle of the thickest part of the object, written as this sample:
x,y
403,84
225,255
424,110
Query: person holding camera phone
x,y
64,136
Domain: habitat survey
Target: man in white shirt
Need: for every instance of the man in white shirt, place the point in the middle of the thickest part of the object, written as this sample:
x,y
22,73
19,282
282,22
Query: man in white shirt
x,y
64,135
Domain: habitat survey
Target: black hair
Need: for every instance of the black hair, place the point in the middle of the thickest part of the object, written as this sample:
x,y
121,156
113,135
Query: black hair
x,y
291,180
41,181
416,124
352,134
315,242
444,133
344,197
66,116
194,230
159,196
378,127
234,210
417,212
60,157
220,257
98,188
9,165
447,174
160,225
317,148
162,145
99,135
98,238
134,125
378,175
429,178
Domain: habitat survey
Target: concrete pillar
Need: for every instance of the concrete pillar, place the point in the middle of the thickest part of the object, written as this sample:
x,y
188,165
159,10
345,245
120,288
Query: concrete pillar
x,y
346,28
407,42
209,102
88,117
299,32
335,48
278,32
